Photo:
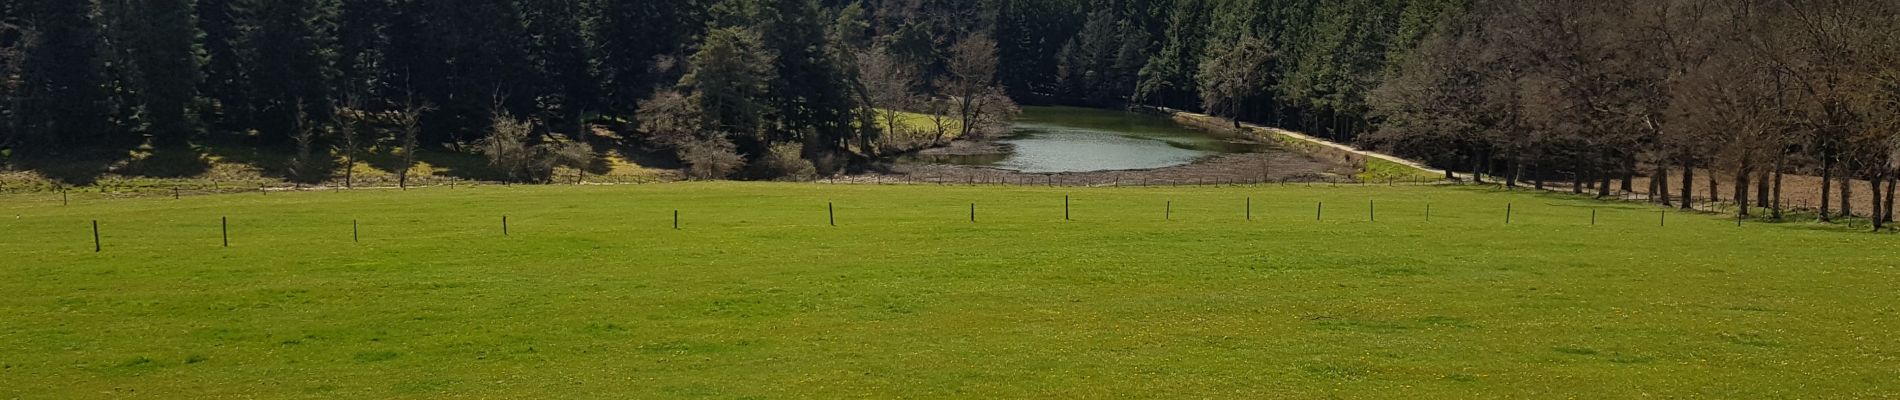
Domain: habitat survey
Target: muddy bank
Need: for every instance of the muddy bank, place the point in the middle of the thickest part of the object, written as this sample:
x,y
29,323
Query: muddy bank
x,y
1244,168
967,148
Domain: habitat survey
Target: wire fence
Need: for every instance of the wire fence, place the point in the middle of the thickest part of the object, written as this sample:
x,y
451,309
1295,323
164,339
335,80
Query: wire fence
x,y
129,188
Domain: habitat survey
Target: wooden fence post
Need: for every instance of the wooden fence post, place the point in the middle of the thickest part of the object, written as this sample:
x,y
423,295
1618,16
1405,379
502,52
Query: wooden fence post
x,y
95,237
224,229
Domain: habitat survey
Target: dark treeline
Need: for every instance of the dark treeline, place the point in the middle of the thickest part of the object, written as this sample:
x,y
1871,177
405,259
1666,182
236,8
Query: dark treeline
x,y
104,75
1585,92
735,86
1603,91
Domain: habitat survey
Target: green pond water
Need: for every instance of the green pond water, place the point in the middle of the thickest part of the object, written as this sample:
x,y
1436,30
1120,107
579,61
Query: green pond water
x,y
1070,139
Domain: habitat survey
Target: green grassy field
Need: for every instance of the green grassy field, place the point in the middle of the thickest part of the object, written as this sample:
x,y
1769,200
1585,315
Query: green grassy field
x,y
594,295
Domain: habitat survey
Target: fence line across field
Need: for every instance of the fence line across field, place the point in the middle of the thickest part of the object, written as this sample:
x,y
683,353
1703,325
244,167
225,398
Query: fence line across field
x,y
831,214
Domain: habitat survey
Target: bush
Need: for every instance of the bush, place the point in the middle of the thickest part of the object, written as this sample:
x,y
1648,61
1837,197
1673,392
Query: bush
x,y
786,161
714,158
507,147
509,150
569,154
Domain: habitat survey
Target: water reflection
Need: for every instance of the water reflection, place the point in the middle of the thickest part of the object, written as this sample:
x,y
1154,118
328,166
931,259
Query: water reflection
x,y
1067,139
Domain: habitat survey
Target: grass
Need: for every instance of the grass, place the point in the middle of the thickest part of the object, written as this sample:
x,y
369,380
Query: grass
x,y
1380,170
594,295
918,124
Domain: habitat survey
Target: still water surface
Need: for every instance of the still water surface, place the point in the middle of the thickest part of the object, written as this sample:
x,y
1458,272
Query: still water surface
x,y
1069,139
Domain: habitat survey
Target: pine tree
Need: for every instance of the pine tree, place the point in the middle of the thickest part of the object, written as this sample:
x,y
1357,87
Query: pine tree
x,y
811,101
226,76
559,54
63,102
630,35
165,67
483,69
361,46
1168,78
291,71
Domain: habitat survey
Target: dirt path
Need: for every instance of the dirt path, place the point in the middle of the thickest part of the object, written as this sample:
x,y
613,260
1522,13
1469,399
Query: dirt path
x,y
1208,122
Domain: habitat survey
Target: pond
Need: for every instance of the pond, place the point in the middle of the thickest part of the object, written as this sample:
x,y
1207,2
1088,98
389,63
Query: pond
x,y
1070,139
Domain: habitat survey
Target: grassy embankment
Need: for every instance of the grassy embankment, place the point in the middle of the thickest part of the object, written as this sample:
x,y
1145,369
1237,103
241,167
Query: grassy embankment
x,y
593,294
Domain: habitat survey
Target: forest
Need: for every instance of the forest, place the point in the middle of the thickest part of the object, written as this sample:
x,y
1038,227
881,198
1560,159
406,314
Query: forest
x,y
1597,94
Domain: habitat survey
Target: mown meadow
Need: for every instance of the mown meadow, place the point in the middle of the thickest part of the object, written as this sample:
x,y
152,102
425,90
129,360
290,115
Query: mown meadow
x,y
1141,292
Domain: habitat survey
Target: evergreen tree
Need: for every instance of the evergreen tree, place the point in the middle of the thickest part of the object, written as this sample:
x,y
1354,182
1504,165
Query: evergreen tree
x,y
63,100
811,99
630,34
226,77
483,69
14,37
291,70
1130,57
165,62
1031,36
559,54
1168,78
361,45
727,84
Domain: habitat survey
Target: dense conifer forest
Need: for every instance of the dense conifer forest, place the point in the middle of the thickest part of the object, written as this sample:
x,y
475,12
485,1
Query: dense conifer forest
x,y
1582,92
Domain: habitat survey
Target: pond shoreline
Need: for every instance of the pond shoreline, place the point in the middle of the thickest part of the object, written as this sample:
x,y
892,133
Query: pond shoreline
x,y
1267,161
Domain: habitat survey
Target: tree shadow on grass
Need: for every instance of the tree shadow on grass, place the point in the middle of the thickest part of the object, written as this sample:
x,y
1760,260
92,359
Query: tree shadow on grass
x,y
633,148
79,169
463,166
168,162
269,160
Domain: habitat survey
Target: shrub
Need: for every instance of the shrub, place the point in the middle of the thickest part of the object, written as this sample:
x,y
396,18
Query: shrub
x,y
786,161
569,154
507,146
714,158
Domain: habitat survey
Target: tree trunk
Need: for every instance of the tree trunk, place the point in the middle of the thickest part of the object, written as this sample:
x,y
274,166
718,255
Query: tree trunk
x,y
1537,176
1847,196
1761,189
1878,217
1652,188
1827,186
1892,181
1490,161
1777,192
1603,186
1576,182
1741,191
1662,184
1715,188
1688,185
1513,168
1629,175
1477,167
349,169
